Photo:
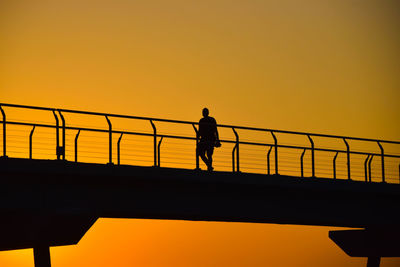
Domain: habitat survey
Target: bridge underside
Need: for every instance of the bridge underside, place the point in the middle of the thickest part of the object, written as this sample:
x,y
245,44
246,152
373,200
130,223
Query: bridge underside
x,y
44,202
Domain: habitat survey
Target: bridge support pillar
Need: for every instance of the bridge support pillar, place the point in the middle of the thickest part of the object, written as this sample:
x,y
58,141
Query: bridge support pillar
x,y
41,256
373,261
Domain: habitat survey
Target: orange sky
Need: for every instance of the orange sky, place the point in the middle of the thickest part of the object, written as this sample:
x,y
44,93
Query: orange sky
x,y
316,66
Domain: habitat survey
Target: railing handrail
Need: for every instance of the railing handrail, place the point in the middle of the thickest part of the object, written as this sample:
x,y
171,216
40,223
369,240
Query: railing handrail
x,y
60,149
196,123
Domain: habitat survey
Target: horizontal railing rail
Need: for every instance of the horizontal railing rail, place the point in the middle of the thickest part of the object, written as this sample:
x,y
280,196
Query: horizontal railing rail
x,y
196,123
60,144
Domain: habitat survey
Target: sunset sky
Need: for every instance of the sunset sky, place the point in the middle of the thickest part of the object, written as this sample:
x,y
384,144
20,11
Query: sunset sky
x,y
315,66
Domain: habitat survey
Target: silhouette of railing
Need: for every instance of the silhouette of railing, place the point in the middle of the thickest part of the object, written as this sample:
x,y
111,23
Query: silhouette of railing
x,y
60,150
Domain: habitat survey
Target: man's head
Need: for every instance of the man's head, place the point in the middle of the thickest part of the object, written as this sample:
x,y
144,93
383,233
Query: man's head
x,y
205,112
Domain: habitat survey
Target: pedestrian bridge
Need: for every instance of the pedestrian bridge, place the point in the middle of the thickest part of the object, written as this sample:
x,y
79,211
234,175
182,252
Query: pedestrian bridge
x,y
54,198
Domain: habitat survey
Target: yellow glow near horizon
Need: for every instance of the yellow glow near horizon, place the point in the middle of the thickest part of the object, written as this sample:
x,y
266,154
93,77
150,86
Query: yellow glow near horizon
x,y
314,66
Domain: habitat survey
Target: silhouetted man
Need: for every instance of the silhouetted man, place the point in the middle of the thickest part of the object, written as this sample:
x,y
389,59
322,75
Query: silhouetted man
x,y
209,138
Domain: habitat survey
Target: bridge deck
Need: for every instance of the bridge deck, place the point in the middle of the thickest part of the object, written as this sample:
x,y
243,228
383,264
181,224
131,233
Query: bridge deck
x,y
60,187
56,202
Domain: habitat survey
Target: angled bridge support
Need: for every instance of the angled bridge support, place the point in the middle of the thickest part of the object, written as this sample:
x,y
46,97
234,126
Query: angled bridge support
x,y
372,243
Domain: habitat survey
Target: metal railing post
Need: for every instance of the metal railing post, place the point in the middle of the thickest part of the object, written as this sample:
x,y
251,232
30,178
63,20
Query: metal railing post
x,y
268,160
30,142
154,142
233,157
348,159
62,149
369,168
119,149
237,149
334,165
197,143
4,132
312,156
57,134
159,151
301,163
366,168
382,161
276,151
76,145
109,140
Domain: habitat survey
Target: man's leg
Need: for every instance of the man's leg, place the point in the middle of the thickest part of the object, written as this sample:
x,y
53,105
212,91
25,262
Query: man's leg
x,y
201,151
210,151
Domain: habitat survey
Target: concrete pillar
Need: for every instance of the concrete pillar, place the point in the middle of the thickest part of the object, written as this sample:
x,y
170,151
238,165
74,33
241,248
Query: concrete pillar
x,y
41,256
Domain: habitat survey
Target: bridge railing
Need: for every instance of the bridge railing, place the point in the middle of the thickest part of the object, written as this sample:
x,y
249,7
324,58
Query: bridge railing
x,y
60,126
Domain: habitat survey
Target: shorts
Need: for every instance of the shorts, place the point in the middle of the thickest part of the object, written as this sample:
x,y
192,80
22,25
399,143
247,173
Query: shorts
x,y
205,146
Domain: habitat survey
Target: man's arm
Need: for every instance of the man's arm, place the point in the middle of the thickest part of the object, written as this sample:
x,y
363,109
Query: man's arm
x,y
218,144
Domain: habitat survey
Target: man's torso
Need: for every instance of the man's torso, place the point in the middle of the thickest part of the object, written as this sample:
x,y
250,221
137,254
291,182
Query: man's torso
x,y
207,128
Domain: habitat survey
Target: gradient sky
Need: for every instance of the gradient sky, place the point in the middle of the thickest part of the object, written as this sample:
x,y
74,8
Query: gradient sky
x,y
317,66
